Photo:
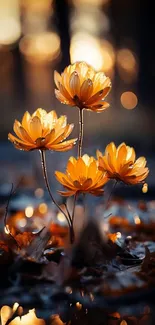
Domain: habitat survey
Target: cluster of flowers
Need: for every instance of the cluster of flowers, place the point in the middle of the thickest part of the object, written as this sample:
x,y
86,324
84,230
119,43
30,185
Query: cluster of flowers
x,y
81,86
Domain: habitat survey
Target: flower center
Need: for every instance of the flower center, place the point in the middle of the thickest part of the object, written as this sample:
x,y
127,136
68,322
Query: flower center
x,y
77,101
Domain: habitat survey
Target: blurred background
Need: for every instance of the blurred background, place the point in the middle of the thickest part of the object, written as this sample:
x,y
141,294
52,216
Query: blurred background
x,y
39,36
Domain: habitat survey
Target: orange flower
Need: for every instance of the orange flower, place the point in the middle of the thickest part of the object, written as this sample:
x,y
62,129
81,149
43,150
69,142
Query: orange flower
x,y
80,85
121,164
42,131
82,176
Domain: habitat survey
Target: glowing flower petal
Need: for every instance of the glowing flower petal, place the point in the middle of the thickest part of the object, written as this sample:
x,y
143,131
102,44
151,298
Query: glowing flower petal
x,y
82,176
120,164
80,85
42,131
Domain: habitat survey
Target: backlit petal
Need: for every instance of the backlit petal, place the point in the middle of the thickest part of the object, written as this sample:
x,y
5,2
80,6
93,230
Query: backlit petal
x,y
86,90
82,176
81,168
71,171
140,162
121,155
82,86
95,98
65,93
35,128
21,133
62,121
68,193
62,99
43,131
74,84
92,169
57,78
98,153
86,159
64,146
19,143
25,120
130,154
120,164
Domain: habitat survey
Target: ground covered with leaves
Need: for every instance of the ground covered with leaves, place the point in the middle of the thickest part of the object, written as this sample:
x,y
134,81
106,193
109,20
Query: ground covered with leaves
x,y
106,277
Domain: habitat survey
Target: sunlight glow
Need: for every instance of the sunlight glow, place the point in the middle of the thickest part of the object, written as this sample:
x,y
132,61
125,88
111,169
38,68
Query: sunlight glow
x,y
40,48
145,188
29,211
10,27
39,193
43,208
22,223
129,100
119,235
137,220
86,48
127,64
61,217
108,56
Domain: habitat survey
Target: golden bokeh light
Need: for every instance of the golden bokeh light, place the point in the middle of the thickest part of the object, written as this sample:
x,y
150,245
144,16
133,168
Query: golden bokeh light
x,y
108,56
145,188
137,220
90,2
40,48
126,59
119,235
61,217
39,193
78,305
22,223
69,290
43,208
127,64
129,100
37,6
29,211
10,27
90,49
86,48
10,30
86,21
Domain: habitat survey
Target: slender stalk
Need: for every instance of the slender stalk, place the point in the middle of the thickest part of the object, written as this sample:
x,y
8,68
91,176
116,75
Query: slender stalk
x,y
72,220
84,203
6,227
108,200
73,212
44,169
12,192
80,132
7,206
84,209
69,215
